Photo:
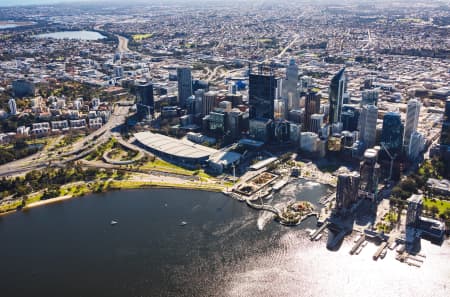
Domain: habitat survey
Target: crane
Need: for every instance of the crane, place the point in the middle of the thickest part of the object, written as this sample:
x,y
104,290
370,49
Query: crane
x,y
390,156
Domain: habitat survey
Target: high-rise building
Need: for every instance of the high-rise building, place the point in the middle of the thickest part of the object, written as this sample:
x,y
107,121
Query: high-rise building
x,y
445,132
261,94
190,105
279,109
369,97
144,99
12,106
316,122
306,82
184,77
309,142
289,91
412,120
347,190
369,171
209,102
415,205
199,95
349,117
416,145
392,133
312,106
336,96
368,125
235,122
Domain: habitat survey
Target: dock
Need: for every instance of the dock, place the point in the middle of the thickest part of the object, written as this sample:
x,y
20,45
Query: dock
x,y
358,243
318,231
377,254
280,184
327,199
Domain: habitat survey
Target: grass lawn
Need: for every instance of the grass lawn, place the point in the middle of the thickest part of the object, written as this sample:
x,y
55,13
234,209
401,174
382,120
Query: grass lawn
x,y
8,206
442,205
161,165
139,37
140,184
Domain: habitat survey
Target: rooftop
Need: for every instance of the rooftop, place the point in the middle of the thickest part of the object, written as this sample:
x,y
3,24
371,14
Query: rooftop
x,y
173,146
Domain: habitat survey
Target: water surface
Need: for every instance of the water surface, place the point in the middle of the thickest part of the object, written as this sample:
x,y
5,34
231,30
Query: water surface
x,y
79,35
226,249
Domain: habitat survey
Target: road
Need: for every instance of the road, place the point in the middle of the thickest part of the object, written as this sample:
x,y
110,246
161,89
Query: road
x,y
123,44
79,149
213,73
284,50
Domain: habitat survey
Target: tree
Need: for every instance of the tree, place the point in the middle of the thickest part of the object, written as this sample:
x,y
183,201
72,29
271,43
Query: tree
x,y
434,210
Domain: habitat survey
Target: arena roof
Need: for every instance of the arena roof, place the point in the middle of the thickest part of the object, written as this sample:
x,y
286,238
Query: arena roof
x,y
173,146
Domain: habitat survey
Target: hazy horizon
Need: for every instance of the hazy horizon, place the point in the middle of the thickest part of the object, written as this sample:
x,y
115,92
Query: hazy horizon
x,y
4,3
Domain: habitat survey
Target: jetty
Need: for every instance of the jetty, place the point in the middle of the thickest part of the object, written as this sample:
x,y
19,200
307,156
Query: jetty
x,y
358,243
320,230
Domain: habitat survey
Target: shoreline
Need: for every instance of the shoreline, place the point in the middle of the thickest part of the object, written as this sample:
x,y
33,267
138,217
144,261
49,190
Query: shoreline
x,y
128,186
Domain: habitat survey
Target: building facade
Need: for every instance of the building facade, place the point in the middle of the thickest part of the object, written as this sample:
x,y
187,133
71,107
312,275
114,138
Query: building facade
x,y
392,133
261,95
412,120
184,77
368,125
312,106
336,96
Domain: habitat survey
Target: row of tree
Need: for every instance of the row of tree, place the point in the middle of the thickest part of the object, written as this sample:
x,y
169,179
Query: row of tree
x,y
50,179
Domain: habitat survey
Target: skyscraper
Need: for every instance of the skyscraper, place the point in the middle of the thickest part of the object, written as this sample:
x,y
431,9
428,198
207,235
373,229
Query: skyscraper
x,y
199,95
316,122
412,120
445,132
261,94
415,206
336,96
369,97
289,91
416,145
312,106
144,95
349,117
368,125
209,102
184,77
392,133
12,106
369,171
347,190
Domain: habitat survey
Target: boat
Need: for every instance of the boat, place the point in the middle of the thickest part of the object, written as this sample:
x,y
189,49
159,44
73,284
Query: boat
x,y
319,237
383,254
183,223
113,223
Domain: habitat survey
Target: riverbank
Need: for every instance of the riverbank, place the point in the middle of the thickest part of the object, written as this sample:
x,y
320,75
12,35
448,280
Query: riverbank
x,y
110,185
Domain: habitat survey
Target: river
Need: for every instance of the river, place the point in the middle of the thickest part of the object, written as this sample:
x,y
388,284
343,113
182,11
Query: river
x,y
79,35
226,249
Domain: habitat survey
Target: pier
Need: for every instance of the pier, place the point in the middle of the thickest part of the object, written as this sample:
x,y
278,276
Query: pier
x,y
318,231
358,244
377,254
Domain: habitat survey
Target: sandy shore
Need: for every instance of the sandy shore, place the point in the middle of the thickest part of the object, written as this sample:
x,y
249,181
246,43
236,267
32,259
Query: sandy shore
x,y
48,201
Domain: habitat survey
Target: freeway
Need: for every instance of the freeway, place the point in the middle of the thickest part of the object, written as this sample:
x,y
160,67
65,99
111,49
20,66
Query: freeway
x,y
123,44
78,150
284,50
